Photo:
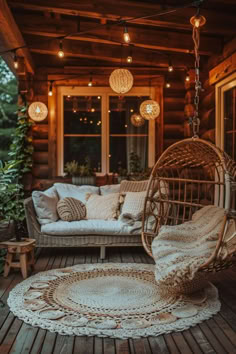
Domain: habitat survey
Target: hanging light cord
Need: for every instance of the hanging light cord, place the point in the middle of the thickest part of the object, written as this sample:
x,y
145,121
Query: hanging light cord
x,y
195,121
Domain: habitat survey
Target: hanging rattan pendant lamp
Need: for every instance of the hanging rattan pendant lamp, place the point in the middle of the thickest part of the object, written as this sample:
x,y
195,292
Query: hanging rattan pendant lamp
x,y
121,81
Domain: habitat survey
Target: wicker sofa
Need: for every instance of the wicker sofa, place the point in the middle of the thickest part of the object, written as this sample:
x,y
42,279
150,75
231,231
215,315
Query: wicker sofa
x,y
89,233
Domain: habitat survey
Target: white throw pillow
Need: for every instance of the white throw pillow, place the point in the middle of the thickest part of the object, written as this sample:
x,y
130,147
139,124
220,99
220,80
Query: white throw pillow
x,y
109,188
103,207
133,205
65,190
45,204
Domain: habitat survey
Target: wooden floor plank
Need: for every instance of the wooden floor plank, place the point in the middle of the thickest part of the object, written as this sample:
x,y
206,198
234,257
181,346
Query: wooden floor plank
x,y
83,345
64,345
24,340
220,335
109,346
141,346
212,339
229,332
202,340
122,346
98,345
172,347
191,342
181,343
158,345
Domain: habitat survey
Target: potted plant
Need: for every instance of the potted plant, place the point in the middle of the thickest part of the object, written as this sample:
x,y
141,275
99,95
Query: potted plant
x,y
81,174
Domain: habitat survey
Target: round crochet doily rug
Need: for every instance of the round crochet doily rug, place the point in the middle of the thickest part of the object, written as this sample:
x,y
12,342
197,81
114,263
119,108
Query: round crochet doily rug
x,y
107,300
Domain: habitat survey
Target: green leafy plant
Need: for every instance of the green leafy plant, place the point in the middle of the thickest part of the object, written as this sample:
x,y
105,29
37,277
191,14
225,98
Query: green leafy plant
x,y
73,168
13,171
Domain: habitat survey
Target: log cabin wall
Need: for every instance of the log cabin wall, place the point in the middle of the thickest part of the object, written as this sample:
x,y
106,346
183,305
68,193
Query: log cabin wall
x,y
174,111
92,35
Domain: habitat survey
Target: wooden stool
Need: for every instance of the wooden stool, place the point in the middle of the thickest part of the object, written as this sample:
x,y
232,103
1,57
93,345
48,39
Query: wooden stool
x,y
25,251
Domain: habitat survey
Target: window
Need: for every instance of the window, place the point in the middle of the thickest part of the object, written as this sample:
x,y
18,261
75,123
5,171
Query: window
x,y
94,125
226,115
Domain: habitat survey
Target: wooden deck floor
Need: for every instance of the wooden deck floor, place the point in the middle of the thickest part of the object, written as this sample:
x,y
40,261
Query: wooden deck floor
x,y
217,335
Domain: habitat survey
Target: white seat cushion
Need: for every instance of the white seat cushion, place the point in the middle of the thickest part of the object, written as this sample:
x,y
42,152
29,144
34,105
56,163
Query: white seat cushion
x,y
65,190
89,227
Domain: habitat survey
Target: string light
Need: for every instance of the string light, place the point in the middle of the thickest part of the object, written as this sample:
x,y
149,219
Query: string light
x,y
168,85
126,35
197,20
50,93
187,77
16,64
60,52
170,66
129,58
90,83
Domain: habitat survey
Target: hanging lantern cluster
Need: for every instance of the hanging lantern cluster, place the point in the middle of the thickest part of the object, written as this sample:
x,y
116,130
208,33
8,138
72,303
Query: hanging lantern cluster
x,y
149,109
137,120
121,81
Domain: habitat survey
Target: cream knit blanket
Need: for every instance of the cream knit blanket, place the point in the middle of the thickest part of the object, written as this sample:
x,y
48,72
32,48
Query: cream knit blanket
x,y
180,250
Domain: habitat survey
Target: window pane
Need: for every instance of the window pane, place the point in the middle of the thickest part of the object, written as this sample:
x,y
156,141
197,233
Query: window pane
x,y
126,139
229,122
121,110
82,115
83,148
82,130
121,149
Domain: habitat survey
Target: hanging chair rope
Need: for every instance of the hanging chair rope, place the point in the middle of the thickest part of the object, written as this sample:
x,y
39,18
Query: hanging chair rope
x,y
195,121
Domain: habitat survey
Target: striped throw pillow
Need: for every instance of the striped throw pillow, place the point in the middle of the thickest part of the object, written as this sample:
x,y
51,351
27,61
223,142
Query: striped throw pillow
x,y
71,209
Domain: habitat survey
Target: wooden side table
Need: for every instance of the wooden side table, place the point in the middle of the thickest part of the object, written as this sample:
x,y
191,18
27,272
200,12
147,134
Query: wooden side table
x,y
25,252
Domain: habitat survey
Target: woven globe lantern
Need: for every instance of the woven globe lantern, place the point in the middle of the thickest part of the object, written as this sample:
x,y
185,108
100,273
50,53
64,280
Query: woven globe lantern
x,y
38,111
149,109
137,120
121,80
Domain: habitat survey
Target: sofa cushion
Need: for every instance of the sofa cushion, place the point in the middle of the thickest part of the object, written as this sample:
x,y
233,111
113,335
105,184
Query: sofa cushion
x,y
90,227
78,192
109,188
133,205
71,209
45,204
133,186
103,207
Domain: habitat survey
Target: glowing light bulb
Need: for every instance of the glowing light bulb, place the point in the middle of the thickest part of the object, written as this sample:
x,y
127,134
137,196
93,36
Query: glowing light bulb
x,y
16,64
37,110
168,84
60,52
170,68
90,83
187,78
129,59
50,93
126,35
197,21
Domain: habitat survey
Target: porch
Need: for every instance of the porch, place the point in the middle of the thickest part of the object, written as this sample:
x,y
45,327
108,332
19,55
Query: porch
x,y
216,335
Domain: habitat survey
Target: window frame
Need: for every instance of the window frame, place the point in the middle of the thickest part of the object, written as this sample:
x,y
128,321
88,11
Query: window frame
x,y
105,93
220,89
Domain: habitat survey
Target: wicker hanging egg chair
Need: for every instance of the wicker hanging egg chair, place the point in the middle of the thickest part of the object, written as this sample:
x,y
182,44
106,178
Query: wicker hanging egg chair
x,y
189,175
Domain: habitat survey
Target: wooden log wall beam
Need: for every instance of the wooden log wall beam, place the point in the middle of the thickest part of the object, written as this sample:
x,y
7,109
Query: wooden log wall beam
x,y
12,36
114,11
113,35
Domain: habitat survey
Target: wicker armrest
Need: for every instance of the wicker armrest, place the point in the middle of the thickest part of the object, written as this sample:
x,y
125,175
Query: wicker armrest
x,y
31,218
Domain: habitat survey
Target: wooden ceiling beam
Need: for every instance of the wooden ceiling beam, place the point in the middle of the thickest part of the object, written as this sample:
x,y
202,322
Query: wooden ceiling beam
x,y
12,37
114,10
110,54
113,35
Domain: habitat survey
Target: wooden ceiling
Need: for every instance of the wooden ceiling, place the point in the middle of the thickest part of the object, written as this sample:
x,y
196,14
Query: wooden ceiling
x,y
94,32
